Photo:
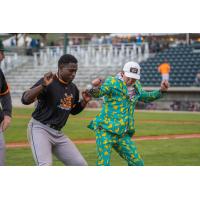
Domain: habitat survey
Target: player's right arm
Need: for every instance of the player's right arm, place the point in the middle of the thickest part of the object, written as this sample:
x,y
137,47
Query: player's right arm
x,y
6,103
31,95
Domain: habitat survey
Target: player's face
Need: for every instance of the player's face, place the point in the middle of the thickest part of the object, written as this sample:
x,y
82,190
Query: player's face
x,y
68,72
129,81
2,56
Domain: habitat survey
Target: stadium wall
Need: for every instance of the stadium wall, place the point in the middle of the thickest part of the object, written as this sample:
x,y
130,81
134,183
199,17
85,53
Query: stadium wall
x,y
177,98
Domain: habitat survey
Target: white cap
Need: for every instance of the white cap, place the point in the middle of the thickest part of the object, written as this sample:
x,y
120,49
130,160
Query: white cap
x,y
132,70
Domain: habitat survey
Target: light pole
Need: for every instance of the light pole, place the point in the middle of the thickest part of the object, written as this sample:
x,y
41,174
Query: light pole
x,y
65,42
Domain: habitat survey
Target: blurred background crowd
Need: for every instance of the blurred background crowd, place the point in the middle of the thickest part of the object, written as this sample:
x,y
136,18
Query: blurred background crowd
x,y
30,55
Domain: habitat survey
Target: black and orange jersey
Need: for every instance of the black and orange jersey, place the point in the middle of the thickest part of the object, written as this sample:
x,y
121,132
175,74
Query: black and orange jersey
x,y
56,102
4,89
4,97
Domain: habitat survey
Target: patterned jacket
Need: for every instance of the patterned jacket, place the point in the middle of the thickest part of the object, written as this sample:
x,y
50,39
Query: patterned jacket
x,y
117,114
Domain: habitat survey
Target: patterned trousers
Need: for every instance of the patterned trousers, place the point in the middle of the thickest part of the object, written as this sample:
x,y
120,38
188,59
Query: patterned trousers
x,y
123,145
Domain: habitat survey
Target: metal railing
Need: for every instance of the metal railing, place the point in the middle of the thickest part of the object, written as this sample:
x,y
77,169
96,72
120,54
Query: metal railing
x,y
100,56
94,55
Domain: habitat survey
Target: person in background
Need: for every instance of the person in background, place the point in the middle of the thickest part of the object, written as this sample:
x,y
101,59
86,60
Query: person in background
x,y
6,111
197,79
164,69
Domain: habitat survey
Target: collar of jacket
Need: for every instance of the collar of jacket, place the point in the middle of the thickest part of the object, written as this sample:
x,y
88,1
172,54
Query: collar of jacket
x,y
137,85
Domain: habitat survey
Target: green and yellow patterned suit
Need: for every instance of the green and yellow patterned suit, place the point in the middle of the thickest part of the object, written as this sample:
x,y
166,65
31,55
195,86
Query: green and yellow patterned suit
x,y
114,125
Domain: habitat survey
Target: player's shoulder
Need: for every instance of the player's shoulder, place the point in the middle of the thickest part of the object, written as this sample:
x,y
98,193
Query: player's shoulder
x,y
111,79
73,86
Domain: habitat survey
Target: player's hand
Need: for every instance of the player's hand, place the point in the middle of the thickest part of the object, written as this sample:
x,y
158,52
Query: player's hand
x,y
48,78
97,82
5,123
86,96
164,86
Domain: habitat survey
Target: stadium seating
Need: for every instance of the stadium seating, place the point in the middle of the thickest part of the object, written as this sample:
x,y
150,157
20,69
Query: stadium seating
x,y
184,61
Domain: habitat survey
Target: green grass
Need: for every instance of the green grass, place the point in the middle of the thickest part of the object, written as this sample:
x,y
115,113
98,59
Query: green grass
x,y
178,152
160,129
168,116
76,127
163,152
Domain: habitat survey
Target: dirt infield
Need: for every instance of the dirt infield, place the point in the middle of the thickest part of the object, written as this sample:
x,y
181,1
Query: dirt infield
x,y
135,138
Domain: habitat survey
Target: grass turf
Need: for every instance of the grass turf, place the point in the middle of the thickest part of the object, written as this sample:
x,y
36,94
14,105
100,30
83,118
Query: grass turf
x,y
147,123
177,152
163,152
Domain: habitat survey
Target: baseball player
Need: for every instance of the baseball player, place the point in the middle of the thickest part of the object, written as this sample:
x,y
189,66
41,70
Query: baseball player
x,y
114,125
57,98
6,111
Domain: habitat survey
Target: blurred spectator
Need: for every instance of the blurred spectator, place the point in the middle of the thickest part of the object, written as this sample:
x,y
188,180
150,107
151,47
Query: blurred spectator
x,y
108,40
164,69
101,40
33,43
12,42
175,105
94,40
52,43
143,48
38,45
157,47
31,48
151,106
193,106
77,41
197,79
37,50
70,43
138,40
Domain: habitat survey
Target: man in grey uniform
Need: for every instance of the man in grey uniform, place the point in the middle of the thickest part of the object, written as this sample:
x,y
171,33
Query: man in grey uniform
x,y
57,98
6,111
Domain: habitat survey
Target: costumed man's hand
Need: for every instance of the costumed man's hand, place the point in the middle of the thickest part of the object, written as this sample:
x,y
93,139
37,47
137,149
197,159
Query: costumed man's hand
x,y
97,82
164,86
5,123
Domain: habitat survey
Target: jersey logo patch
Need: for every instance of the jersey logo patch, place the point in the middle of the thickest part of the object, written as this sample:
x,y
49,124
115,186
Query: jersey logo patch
x,y
66,102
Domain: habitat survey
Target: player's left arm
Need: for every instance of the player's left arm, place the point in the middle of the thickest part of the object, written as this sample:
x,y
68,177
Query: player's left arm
x,y
155,94
80,105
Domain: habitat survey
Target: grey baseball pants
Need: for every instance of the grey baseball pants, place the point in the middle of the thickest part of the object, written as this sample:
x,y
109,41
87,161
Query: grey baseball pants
x,y
2,149
44,141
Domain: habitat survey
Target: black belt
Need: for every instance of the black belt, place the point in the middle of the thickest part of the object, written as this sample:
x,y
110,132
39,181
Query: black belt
x,y
53,127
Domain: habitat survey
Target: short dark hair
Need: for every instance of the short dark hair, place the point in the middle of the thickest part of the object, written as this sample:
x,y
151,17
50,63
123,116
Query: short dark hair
x,y
66,59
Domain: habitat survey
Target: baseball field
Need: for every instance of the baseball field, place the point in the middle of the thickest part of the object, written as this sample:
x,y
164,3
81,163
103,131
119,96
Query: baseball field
x,y
162,138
